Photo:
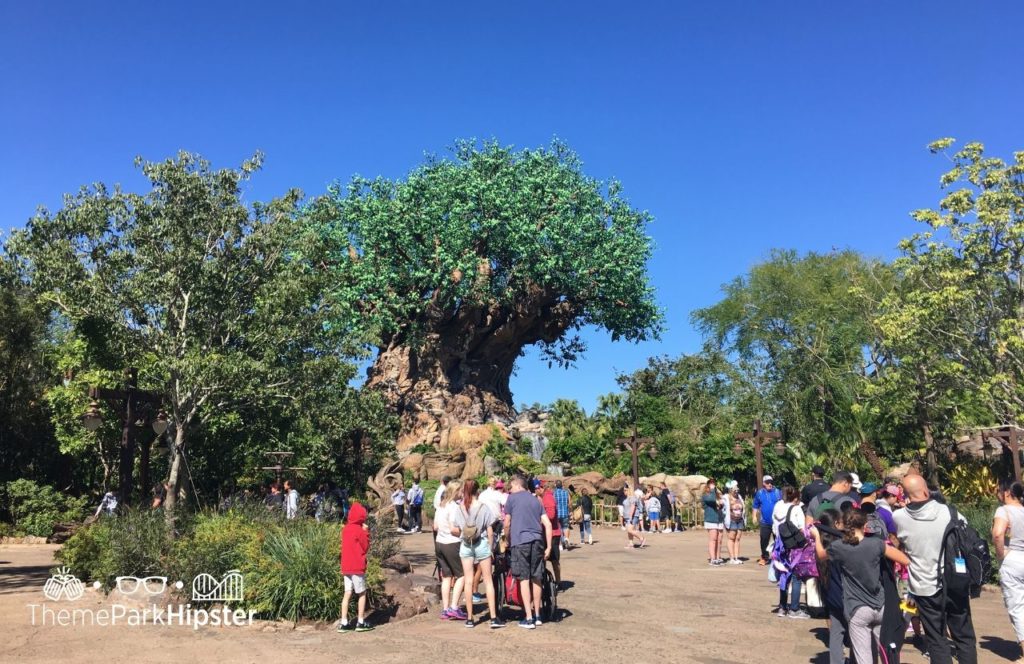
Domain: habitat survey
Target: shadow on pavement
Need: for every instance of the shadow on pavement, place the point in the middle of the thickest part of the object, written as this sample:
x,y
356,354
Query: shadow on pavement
x,y
1001,647
23,578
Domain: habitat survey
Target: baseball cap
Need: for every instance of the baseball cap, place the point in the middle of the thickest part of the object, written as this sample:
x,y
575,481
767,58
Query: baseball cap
x,y
893,490
855,481
818,470
731,484
868,488
536,484
500,484
768,479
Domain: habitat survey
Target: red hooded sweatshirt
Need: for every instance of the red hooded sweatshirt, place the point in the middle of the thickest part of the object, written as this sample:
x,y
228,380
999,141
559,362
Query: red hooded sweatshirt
x,y
355,542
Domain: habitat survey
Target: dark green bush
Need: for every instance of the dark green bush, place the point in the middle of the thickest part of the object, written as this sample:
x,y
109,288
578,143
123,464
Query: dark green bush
x,y
35,508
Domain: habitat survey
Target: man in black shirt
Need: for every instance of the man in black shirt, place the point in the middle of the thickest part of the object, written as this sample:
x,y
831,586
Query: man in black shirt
x,y
818,485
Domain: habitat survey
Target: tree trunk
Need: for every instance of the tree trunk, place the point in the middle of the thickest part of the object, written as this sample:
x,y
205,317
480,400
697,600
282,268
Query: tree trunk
x,y
460,373
931,455
174,475
868,450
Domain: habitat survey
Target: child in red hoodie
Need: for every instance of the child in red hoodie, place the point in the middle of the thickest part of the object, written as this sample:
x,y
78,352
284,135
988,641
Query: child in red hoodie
x,y
355,542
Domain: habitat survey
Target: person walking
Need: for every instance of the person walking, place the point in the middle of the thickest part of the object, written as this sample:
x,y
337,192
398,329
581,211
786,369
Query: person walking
x,y
632,513
547,501
446,550
562,512
921,528
859,559
586,505
415,498
473,525
1010,516
398,502
714,521
529,532
763,505
736,520
291,505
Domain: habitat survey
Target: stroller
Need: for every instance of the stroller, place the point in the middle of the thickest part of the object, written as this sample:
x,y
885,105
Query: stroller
x,y
506,587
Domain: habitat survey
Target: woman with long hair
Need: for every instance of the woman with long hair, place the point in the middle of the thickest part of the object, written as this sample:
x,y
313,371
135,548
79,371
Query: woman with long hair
x,y
735,520
446,549
788,509
830,582
860,558
1010,550
473,524
713,521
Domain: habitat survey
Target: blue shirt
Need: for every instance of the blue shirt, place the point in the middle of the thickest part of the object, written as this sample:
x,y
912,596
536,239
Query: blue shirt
x,y
764,501
562,502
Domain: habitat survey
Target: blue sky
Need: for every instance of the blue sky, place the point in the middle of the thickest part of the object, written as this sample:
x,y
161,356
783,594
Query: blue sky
x,y
741,126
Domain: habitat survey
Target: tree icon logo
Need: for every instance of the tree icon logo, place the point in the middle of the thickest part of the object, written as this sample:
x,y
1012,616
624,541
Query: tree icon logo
x,y
64,585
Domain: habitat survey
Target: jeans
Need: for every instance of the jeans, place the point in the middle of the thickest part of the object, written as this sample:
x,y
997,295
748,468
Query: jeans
x,y
415,516
954,613
585,528
400,515
766,536
794,594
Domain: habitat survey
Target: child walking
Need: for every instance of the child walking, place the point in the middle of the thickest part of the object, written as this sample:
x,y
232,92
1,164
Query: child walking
x,y
355,542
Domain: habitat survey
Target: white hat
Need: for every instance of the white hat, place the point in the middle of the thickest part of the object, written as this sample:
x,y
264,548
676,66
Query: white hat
x,y
766,479
731,484
855,481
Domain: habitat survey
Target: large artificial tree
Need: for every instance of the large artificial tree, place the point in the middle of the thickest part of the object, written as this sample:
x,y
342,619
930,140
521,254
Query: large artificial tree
x,y
456,269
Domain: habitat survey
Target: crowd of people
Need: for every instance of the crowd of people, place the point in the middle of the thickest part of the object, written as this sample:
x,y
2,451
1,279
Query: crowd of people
x,y
880,562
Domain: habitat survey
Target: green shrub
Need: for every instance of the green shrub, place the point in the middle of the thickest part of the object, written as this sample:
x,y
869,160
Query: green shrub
x,y
979,515
35,508
297,574
217,544
87,553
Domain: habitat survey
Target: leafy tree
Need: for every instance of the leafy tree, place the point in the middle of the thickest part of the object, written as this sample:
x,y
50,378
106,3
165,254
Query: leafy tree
x,y
219,302
456,269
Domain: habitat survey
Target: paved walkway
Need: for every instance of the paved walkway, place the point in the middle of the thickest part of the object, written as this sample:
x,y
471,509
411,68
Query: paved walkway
x,y
660,604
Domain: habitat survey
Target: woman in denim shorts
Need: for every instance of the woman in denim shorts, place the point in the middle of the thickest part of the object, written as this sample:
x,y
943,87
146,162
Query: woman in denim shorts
x,y
473,524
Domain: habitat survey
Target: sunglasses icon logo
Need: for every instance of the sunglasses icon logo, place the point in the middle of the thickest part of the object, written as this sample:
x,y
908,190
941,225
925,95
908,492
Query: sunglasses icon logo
x,y
152,585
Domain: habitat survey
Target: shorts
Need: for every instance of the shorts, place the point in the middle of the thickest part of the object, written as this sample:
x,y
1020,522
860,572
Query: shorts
x,y
622,512
635,520
528,561
448,559
355,583
654,516
481,550
736,525
556,547
713,526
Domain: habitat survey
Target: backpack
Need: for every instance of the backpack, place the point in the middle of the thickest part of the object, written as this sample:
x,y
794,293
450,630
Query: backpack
x,y
965,563
735,510
470,532
792,536
418,500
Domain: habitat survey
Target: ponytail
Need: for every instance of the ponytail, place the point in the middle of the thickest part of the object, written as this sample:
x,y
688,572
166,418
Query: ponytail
x,y
853,520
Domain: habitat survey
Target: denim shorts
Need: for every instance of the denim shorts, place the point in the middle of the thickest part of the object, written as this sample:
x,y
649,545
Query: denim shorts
x,y
479,551
654,516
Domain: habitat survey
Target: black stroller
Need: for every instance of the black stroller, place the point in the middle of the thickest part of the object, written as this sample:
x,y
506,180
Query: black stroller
x,y
506,587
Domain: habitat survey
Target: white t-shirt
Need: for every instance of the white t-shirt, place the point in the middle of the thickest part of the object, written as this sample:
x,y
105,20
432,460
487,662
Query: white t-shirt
x,y
796,517
438,495
495,501
443,521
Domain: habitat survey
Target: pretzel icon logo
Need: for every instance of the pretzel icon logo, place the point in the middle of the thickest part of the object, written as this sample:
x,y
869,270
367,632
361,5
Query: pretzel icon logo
x,y
205,588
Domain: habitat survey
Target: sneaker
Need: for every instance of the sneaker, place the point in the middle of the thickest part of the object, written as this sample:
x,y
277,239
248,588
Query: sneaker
x,y
345,628
782,613
526,624
778,609
799,615
623,527
364,627
447,614
458,614
470,624
537,622
497,623
477,598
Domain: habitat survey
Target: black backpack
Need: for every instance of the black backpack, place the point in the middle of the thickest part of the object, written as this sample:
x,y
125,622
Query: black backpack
x,y
792,536
965,564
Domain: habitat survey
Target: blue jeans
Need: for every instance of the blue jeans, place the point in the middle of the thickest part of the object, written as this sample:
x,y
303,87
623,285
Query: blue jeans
x,y
585,527
794,594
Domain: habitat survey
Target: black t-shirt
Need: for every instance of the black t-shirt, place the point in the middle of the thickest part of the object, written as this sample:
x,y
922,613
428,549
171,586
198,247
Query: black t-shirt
x,y
811,490
588,505
666,506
